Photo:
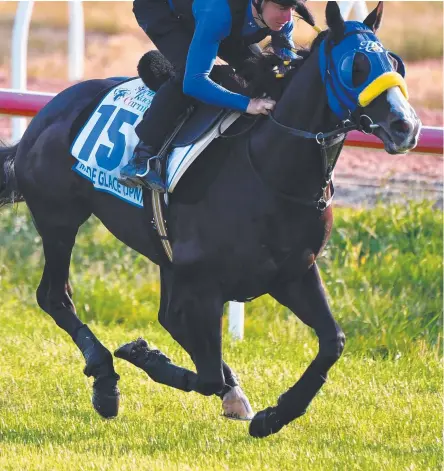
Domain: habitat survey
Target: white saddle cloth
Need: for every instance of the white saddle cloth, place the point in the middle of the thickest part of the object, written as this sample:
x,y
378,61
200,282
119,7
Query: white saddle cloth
x,y
107,141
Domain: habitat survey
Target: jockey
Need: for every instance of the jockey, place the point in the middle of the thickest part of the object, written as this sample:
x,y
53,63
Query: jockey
x,y
195,35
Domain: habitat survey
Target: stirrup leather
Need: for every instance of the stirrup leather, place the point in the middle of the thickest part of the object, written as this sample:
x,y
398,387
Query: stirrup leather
x,y
148,166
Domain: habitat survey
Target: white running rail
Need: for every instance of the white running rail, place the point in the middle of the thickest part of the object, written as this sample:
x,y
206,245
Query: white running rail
x,y
359,6
19,51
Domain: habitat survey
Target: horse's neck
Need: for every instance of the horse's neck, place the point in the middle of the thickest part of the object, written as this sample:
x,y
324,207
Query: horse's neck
x,y
292,164
304,102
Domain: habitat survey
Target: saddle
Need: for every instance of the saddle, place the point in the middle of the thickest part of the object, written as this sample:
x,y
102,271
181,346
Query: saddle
x,y
202,118
154,70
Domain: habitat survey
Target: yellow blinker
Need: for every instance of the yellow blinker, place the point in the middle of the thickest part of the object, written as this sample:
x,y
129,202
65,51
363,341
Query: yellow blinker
x,y
380,85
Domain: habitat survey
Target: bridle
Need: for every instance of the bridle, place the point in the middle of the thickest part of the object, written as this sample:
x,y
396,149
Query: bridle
x,y
330,142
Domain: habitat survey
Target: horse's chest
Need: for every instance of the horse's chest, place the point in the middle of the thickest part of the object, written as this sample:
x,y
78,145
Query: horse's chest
x,y
248,251
245,278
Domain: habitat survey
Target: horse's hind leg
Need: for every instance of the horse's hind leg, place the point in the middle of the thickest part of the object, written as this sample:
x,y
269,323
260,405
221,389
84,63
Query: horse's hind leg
x,y
58,229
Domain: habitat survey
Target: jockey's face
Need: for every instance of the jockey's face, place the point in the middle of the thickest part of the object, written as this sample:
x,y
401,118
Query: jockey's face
x,y
276,16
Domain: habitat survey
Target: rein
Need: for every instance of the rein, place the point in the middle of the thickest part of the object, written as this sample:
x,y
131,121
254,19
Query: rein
x,y
330,143
347,125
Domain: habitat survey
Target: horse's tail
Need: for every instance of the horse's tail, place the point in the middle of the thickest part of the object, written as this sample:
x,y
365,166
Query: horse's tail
x,y
9,192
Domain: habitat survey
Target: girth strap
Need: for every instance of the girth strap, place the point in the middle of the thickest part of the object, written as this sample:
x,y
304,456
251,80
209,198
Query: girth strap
x,y
156,196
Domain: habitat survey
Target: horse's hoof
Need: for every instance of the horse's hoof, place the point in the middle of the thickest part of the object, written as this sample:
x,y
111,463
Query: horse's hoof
x,y
236,405
265,423
106,397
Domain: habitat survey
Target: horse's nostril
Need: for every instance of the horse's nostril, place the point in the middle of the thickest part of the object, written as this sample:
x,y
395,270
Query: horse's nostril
x,y
401,125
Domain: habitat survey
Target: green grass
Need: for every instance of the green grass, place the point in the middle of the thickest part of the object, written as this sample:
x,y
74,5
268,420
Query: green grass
x,y
382,270
372,414
380,410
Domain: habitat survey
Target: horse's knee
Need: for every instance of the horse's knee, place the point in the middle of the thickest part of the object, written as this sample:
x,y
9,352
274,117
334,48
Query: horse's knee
x,y
162,319
331,348
41,297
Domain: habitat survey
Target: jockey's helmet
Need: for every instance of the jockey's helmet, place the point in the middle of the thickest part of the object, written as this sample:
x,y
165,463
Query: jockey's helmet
x,y
286,3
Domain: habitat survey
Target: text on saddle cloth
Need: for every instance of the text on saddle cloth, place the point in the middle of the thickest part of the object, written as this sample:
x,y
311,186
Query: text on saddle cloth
x,y
107,141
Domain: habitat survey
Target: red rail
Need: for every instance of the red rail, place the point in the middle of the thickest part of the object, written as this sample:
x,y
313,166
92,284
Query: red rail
x,y
430,141
17,103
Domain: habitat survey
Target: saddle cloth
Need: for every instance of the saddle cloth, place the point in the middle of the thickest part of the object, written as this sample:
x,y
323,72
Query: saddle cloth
x,y
107,140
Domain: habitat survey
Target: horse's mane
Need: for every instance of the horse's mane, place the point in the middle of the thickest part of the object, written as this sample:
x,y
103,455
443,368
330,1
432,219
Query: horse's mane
x,y
260,72
256,77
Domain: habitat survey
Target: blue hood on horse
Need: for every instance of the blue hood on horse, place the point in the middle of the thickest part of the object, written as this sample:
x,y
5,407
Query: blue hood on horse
x,y
337,62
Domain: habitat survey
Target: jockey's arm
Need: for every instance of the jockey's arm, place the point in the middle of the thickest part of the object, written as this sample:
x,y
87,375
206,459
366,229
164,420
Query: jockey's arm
x,y
212,26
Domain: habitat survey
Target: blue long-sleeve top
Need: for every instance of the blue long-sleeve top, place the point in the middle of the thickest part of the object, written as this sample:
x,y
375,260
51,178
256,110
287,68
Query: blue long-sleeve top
x,y
213,24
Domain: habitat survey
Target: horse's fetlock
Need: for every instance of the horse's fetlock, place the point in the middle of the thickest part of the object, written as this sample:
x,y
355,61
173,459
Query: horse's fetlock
x,y
341,342
99,364
99,361
330,350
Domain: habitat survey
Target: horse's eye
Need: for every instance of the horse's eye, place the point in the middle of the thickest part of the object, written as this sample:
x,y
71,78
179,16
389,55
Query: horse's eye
x,y
354,69
361,69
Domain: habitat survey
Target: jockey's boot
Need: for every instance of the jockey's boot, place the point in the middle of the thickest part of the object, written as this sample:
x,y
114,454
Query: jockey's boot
x,y
140,169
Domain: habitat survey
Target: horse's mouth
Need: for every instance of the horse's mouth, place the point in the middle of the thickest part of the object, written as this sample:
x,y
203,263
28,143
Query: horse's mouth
x,y
390,145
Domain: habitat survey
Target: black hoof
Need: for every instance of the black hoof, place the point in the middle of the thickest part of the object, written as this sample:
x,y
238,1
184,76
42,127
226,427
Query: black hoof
x,y
106,397
265,423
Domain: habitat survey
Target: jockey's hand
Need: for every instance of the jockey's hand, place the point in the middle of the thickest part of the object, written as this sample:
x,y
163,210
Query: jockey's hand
x,y
220,61
260,106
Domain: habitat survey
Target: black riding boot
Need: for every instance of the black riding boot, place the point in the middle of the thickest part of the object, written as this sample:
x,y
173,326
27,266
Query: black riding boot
x,y
168,103
140,169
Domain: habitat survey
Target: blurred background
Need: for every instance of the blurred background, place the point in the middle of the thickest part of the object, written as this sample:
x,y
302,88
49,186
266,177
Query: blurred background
x,y
114,43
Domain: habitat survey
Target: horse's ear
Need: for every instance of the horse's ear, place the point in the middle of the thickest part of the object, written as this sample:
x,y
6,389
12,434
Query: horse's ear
x,y
335,21
373,20
302,10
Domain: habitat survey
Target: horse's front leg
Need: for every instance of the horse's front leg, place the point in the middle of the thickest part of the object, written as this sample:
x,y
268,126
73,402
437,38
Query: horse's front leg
x,y
192,315
306,298
193,318
162,370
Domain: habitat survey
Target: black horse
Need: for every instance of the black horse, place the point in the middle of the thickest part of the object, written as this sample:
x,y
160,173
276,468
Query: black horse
x,y
249,218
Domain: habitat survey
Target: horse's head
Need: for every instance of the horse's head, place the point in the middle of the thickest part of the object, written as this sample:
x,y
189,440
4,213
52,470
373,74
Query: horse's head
x,y
365,82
